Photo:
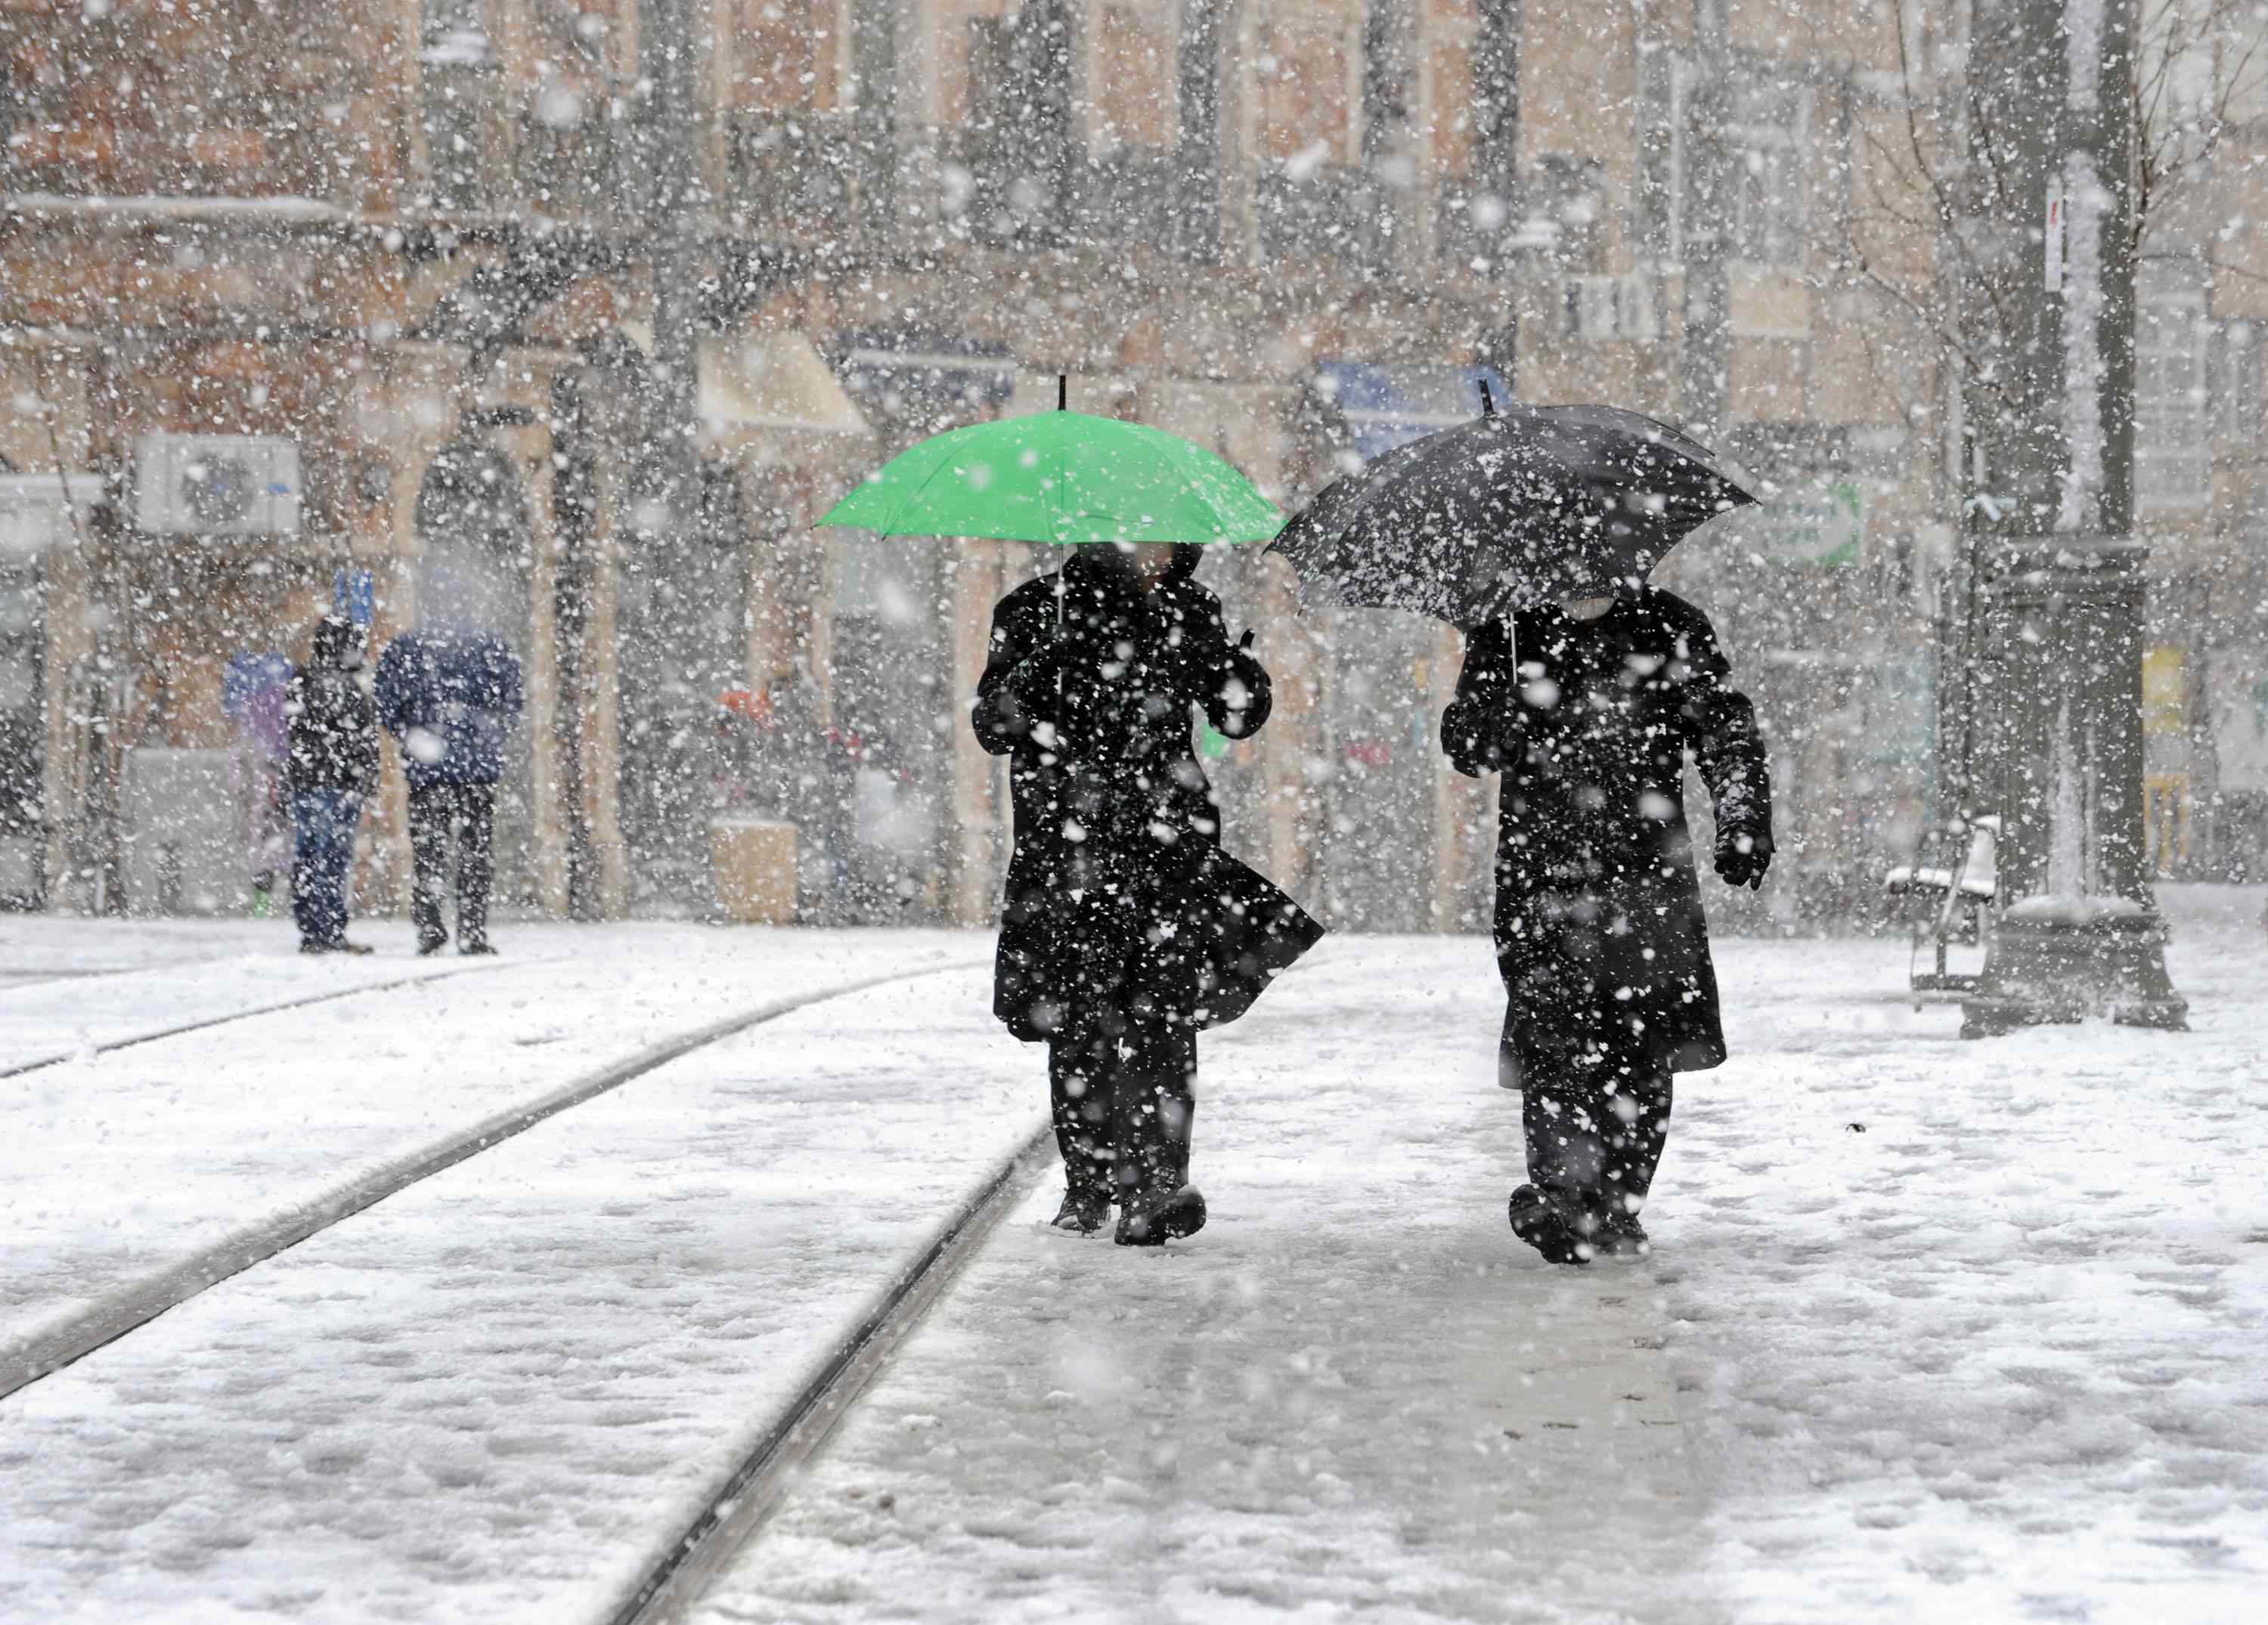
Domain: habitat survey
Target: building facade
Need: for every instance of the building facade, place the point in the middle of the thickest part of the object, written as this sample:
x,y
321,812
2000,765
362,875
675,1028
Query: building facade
x,y
337,303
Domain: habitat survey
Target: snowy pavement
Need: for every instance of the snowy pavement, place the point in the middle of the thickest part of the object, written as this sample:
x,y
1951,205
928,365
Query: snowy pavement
x,y
181,1156
1934,1330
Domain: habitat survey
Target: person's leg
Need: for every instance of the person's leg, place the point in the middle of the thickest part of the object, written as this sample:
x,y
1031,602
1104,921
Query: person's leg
x,y
1559,1073
475,865
1153,1106
1595,1108
1154,1101
310,829
429,809
1079,1074
346,817
1634,1129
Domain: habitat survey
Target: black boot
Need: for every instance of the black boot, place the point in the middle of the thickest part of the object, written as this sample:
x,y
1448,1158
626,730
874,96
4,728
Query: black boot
x,y
1554,1224
1622,1236
1084,1211
1153,1219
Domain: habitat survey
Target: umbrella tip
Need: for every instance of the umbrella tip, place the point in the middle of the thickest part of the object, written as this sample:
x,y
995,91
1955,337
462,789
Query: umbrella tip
x,y
1488,400
1063,392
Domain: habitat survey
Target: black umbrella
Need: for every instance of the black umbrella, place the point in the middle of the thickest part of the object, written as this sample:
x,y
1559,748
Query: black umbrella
x,y
1507,511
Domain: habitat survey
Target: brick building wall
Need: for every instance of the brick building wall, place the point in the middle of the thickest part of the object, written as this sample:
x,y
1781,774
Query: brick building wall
x,y
400,231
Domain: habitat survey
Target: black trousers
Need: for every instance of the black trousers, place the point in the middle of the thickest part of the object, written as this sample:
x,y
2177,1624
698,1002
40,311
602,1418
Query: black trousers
x,y
1123,1094
1596,1110
436,813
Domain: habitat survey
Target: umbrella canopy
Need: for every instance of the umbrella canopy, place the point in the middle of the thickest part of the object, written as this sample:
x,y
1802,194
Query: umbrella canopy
x,y
1061,477
1507,511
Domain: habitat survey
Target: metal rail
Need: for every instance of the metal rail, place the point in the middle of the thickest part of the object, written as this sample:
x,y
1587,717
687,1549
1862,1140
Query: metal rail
x,y
299,1002
80,1335
737,1509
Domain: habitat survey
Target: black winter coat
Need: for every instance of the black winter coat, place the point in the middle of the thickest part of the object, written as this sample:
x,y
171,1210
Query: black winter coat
x,y
1598,914
1119,898
332,718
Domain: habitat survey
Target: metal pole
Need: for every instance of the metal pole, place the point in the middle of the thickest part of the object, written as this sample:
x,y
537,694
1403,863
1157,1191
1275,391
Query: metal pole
x,y
666,57
2049,314
1705,357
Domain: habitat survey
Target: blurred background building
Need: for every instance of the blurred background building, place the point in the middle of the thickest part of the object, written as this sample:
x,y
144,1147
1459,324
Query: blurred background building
x,y
306,305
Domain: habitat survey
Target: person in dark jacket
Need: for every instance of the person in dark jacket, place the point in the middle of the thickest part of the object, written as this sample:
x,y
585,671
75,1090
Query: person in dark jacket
x,y
1125,928
451,698
1588,708
330,766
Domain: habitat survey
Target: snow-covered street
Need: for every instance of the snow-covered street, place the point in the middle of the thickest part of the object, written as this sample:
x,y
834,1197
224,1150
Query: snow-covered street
x,y
1933,1330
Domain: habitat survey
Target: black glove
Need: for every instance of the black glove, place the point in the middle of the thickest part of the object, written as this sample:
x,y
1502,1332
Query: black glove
x,y
1244,678
1743,857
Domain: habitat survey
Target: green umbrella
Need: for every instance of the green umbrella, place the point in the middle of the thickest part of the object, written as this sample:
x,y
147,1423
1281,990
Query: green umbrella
x,y
1064,477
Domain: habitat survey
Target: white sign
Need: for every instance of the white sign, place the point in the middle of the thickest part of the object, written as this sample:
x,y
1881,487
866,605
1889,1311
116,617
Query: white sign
x,y
2055,225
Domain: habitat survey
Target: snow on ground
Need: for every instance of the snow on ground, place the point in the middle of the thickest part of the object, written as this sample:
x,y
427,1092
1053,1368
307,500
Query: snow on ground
x,y
73,992
1352,1396
1935,1331
118,1165
495,1395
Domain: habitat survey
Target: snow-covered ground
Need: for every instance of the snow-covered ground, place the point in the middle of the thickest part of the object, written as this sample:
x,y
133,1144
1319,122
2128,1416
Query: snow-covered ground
x,y
1934,1330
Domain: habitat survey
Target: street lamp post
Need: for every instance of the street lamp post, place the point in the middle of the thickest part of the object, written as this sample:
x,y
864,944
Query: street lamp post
x,y
2049,324
672,155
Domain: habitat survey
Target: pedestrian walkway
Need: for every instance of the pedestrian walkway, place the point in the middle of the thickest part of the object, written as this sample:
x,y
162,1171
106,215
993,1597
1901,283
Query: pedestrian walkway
x,y
1352,1393
1934,1330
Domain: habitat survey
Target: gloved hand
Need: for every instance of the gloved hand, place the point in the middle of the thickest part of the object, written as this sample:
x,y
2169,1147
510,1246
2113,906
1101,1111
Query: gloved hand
x,y
1743,857
1237,692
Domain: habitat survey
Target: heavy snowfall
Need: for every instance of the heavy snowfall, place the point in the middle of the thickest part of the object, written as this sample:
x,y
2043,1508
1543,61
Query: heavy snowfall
x,y
1133,810
1933,1330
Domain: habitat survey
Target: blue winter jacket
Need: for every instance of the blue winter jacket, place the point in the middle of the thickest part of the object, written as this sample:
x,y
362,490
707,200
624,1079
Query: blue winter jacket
x,y
450,698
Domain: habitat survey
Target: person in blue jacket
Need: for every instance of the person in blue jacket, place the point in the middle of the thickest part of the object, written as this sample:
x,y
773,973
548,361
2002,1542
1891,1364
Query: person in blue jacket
x,y
451,697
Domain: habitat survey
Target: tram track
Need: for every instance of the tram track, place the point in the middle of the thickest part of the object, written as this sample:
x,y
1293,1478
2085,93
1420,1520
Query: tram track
x,y
734,1513
75,1336
244,1013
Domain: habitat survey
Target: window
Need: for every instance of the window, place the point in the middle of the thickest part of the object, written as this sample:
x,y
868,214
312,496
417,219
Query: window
x,y
786,55
1765,128
2172,446
1309,56
2237,384
1767,133
1135,73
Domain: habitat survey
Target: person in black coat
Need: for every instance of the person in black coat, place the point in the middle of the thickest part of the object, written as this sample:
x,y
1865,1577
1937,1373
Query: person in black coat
x,y
1125,928
1588,708
331,765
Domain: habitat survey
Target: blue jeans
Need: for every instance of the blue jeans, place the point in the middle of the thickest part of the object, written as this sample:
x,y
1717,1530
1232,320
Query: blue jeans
x,y
326,821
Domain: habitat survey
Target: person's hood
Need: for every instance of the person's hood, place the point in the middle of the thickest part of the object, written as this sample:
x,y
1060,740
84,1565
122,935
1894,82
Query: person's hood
x,y
1096,562
336,646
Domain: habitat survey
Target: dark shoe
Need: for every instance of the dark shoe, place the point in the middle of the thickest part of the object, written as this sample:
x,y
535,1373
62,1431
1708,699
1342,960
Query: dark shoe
x,y
427,946
1083,1211
475,947
1622,1236
1549,1223
318,947
344,946
1153,1221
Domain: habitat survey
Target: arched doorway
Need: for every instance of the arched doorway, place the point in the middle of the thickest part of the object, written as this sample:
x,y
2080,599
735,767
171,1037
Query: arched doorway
x,y
476,573
682,640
